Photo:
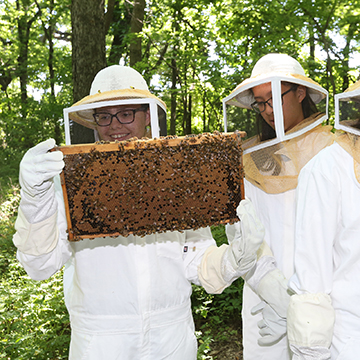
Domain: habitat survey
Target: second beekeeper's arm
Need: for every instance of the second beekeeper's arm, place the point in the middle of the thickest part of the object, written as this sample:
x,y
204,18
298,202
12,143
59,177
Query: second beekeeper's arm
x,y
220,266
311,315
270,284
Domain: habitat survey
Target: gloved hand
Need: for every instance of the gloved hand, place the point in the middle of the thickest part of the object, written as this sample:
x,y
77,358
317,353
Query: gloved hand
x,y
241,254
38,167
220,266
272,326
37,170
268,282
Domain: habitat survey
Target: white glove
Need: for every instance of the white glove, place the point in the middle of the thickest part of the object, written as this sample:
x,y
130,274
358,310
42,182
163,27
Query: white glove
x,y
272,326
270,284
241,254
37,170
38,167
220,266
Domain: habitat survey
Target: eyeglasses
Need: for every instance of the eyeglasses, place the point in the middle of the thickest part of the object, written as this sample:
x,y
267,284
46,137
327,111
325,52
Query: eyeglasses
x,y
260,106
123,116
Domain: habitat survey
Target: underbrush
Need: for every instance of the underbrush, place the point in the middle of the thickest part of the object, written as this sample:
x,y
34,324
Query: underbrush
x,y
217,317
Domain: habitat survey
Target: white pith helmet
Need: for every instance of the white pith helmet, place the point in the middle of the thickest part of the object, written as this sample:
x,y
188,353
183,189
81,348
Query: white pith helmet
x,y
353,91
114,82
117,77
277,69
269,67
346,116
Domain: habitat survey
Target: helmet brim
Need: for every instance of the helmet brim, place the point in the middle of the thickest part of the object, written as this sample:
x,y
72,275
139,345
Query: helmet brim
x,y
243,97
85,117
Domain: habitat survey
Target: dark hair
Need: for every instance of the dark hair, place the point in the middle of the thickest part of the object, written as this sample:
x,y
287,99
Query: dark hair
x,y
308,106
266,132
357,124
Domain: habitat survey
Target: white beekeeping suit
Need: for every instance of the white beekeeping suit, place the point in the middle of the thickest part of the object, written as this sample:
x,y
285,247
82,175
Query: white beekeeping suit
x,y
323,316
128,297
272,162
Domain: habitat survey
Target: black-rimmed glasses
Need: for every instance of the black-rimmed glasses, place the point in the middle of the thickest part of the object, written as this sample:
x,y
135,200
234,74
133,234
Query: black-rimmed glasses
x,y
260,106
126,116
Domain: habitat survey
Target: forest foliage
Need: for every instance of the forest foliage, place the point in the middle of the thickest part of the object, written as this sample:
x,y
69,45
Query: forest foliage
x,y
193,54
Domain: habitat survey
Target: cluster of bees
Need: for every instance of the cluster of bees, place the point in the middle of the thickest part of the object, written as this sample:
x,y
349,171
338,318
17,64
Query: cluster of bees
x,y
145,187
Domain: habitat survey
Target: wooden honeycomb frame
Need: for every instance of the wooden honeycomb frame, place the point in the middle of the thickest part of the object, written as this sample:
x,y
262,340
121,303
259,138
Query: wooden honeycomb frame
x,y
145,186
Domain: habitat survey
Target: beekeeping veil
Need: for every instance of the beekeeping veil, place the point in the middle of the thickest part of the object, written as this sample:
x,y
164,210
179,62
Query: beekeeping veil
x,y
274,164
347,123
112,86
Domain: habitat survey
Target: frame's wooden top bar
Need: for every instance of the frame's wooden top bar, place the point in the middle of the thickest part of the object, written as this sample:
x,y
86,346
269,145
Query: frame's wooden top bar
x,y
138,143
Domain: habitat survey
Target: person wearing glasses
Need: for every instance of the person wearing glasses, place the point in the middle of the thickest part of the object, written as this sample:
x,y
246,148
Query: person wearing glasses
x,y
125,127
128,297
323,316
296,106
289,119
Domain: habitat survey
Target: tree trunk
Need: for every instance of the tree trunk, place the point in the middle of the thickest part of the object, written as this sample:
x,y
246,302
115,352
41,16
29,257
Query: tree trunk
x,y
346,56
88,54
24,24
205,128
121,28
49,34
188,115
136,25
312,61
173,97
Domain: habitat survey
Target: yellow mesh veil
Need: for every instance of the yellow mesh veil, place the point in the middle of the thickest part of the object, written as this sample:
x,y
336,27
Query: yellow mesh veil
x,y
351,144
275,169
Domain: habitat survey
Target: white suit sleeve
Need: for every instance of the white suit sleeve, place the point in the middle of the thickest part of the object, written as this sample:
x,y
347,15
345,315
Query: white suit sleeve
x,y
196,243
53,232
317,217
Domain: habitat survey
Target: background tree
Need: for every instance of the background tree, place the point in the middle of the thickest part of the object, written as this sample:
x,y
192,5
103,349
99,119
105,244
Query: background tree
x,y
136,25
88,54
34,60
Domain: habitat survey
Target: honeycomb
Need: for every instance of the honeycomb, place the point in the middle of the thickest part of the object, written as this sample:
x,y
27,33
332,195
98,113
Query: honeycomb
x,y
142,187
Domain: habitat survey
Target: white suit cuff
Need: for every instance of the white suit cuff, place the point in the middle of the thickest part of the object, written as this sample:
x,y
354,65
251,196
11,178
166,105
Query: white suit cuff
x,y
209,270
311,320
35,239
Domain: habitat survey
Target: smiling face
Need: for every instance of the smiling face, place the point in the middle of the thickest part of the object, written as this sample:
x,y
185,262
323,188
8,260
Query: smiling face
x,y
120,132
292,108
